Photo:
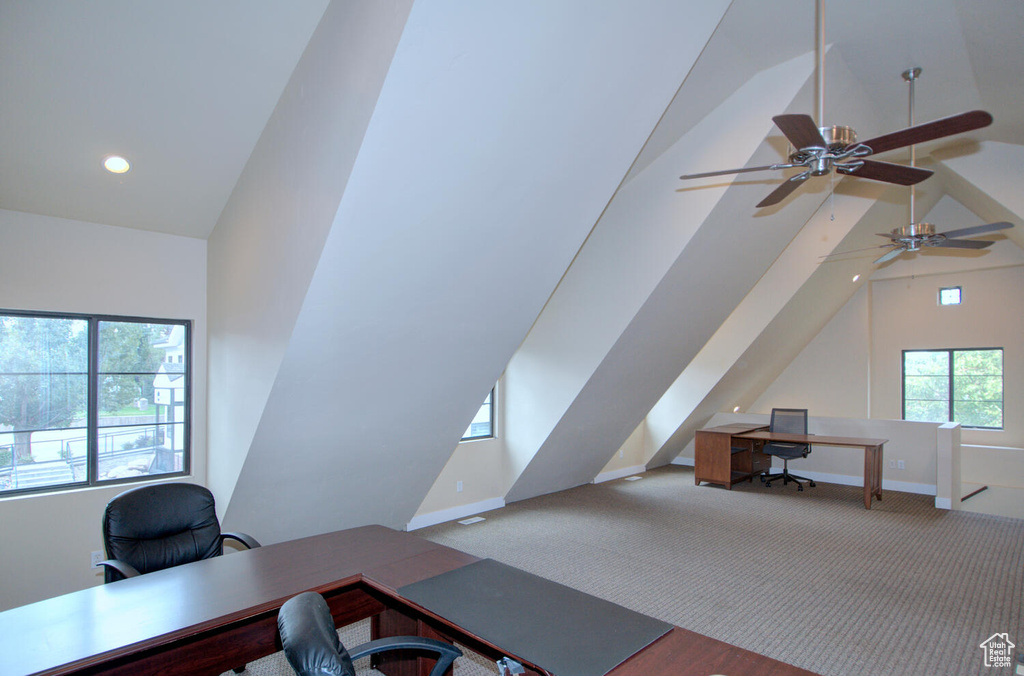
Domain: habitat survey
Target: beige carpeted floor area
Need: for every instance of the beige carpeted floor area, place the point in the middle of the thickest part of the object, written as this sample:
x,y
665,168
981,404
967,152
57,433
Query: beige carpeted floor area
x,y
810,578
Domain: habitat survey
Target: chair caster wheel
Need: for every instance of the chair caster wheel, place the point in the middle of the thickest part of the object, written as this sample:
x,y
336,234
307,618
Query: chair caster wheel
x,y
799,488
768,484
762,478
812,484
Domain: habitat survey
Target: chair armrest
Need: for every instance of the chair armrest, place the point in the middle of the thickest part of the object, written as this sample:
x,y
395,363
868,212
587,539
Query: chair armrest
x,y
247,540
446,651
120,566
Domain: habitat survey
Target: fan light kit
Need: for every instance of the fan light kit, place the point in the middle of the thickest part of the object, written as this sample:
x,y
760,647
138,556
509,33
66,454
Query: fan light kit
x,y
821,149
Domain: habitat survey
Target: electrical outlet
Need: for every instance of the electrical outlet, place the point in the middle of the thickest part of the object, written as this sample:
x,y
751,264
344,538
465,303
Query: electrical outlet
x,y
95,558
458,486
900,464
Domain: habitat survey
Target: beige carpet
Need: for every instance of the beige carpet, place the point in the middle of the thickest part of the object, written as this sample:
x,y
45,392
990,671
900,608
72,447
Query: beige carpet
x,y
810,578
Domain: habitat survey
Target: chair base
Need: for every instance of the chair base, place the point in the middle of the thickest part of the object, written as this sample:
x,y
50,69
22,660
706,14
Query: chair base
x,y
786,477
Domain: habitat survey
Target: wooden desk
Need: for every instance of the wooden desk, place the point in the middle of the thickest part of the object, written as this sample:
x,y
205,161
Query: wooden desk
x,y
872,454
731,453
209,616
723,456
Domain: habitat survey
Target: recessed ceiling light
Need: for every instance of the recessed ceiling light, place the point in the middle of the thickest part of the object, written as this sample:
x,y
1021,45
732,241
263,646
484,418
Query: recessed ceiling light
x,y
856,277
736,409
116,164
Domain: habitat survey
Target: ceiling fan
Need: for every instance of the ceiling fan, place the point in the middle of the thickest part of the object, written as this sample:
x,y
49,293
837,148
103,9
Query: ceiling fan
x,y
820,149
917,235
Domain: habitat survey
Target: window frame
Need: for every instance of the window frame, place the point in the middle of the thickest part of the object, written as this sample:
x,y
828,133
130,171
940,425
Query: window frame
x,y
951,378
960,296
92,426
488,401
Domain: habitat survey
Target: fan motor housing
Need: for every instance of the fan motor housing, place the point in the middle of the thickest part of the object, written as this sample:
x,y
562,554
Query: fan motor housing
x,y
819,161
912,230
839,137
913,235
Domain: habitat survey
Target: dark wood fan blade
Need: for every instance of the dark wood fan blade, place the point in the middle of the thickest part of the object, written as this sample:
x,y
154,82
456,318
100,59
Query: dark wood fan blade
x,y
929,131
889,256
800,130
965,243
978,229
888,172
783,191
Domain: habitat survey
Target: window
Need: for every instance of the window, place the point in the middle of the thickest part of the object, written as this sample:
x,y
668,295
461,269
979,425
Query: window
x,y
91,399
482,426
950,295
964,386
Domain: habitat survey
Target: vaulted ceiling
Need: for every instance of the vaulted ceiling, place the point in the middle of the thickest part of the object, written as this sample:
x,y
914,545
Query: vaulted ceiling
x,y
484,189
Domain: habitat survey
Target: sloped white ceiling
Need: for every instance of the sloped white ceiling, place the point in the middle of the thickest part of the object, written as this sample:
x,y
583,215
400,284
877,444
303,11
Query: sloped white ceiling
x,y
551,441
265,248
500,134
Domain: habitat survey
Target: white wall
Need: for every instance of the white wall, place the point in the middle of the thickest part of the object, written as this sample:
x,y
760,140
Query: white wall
x,y
69,266
837,386
852,368
906,316
480,466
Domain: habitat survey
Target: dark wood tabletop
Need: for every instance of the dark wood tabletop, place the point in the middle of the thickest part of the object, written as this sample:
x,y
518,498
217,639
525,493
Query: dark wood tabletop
x,y
210,616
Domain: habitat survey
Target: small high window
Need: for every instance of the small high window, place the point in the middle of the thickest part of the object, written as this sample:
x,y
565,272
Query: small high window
x,y
482,426
950,295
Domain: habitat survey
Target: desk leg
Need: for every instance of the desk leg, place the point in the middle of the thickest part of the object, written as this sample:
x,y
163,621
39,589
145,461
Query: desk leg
x,y
878,473
872,474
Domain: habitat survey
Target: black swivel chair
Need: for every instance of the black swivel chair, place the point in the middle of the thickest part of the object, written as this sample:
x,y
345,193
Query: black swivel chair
x,y
312,646
792,421
159,526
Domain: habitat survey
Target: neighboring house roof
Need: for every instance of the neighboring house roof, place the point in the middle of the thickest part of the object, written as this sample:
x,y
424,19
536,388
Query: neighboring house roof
x,y
175,339
169,374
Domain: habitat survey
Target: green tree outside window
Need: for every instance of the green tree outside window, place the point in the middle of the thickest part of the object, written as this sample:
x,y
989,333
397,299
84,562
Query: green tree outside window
x,y
964,386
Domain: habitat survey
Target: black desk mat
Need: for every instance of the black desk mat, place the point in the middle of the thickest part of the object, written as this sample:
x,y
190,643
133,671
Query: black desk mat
x,y
560,629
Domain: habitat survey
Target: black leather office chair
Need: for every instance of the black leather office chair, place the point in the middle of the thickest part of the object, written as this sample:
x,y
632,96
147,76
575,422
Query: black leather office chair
x,y
159,526
312,646
793,421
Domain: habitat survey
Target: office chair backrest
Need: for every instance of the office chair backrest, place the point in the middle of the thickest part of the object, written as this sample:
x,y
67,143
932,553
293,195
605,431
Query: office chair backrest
x,y
789,420
162,525
310,641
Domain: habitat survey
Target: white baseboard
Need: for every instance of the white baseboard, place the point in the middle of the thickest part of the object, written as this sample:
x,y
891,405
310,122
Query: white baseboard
x,y
619,473
453,513
887,484
848,480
